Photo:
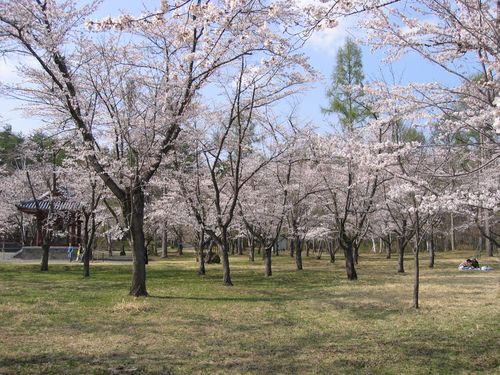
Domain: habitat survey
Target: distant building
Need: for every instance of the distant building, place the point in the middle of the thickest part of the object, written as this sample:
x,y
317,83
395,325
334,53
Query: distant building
x,y
65,211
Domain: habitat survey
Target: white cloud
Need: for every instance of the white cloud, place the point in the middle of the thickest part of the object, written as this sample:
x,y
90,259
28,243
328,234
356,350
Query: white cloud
x,y
329,40
8,71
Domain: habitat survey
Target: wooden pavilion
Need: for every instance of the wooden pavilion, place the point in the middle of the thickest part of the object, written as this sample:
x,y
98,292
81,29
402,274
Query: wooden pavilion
x,y
66,210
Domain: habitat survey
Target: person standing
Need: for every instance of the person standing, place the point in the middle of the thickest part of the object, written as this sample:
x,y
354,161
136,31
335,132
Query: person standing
x,y
70,252
79,253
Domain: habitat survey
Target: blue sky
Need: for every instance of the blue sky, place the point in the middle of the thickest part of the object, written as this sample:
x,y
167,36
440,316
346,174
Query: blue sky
x,y
321,49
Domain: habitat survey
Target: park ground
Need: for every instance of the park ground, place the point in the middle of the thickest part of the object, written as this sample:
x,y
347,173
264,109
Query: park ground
x,y
308,322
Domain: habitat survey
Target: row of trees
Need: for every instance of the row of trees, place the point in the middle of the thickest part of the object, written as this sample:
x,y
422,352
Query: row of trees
x,y
175,112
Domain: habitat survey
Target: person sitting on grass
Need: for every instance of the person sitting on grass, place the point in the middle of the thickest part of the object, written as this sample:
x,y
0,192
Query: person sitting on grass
x,y
469,264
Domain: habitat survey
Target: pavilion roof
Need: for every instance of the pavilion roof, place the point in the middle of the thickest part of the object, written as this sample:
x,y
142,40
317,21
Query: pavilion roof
x,y
62,201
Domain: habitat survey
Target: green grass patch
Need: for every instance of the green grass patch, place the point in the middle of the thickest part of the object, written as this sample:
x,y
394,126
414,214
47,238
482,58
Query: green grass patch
x,y
308,322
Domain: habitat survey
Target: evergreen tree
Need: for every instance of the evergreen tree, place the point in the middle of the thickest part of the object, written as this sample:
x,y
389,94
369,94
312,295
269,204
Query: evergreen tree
x,y
344,101
8,144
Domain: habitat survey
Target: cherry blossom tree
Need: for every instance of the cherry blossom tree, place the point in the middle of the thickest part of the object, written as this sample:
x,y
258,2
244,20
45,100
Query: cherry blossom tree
x,y
242,140
461,37
263,205
138,82
89,190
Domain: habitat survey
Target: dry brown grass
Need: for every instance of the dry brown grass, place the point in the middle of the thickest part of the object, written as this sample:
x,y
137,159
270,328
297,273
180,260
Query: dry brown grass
x,y
310,322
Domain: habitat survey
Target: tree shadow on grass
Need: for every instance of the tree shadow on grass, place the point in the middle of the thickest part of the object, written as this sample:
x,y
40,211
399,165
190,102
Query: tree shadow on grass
x,y
229,299
66,363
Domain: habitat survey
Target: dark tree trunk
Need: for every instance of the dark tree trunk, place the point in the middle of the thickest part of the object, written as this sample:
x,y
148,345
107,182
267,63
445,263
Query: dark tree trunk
x,y
138,287
155,245
110,245
349,261
389,247
86,262
44,266
240,245
226,279
356,252
209,253
488,244
298,253
201,268
452,232
401,254
431,252
320,249
416,284
332,249
267,261
251,254
292,248
180,248
201,254
89,237
164,242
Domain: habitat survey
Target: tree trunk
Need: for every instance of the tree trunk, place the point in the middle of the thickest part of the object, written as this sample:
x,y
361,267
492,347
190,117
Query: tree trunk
x,y
432,252
209,253
332,249
356,252
44,266
86,261
298,253
416,284
109,241
401,251
320,249
240,246
251,254
488,242
201,254
87,246
292,248
225,263
267,261
389,247
231,246
349,261
164,242
138,287
452,231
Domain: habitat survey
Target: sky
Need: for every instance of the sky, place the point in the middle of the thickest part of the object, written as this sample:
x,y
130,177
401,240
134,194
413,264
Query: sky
x,y
321,50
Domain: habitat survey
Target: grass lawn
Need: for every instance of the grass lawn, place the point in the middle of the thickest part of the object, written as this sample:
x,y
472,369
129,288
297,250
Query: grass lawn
x,y
309,322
